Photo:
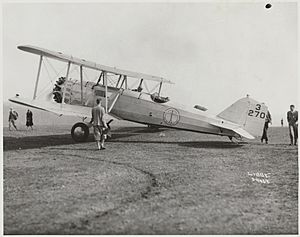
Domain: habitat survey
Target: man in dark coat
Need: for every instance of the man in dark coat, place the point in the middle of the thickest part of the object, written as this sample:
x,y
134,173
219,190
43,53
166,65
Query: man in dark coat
x,y
292,118
268,120
29,119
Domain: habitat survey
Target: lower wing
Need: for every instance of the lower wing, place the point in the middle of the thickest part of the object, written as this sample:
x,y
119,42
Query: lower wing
x,y
57,108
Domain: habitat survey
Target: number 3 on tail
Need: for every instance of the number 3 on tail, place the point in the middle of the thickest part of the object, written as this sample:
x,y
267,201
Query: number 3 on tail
x,y
256,112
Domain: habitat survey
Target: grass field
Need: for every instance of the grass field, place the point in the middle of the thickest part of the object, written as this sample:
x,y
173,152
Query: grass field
x,y
149,182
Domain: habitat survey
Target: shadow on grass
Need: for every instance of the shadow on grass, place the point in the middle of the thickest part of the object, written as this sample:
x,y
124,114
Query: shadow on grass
x,y
15,143
10,143
192,144
211,144
30,142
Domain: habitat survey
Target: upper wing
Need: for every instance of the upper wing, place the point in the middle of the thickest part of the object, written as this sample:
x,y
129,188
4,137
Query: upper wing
x,y
81,62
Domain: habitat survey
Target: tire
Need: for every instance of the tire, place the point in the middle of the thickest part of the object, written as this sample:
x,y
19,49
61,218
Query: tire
x,y
82,134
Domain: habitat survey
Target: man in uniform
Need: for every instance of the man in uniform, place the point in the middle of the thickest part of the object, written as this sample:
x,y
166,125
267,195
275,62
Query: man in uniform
x,y
99,124
292,118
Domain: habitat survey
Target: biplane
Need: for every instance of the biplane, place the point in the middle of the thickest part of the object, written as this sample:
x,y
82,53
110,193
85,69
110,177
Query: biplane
x,y
76,96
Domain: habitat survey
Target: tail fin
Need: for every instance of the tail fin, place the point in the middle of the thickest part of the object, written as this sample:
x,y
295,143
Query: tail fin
x,y
248,113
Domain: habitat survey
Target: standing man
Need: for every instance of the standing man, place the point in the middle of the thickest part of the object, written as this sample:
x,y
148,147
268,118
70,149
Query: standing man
x,y
282,122
292,118
13,115
99,124
29,120
268,120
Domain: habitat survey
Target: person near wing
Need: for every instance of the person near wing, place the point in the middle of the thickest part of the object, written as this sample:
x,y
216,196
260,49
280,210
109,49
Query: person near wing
x,y
13,115
29,119
99,124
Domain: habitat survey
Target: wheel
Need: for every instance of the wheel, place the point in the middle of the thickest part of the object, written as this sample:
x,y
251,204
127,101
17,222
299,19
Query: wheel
x,y
80,132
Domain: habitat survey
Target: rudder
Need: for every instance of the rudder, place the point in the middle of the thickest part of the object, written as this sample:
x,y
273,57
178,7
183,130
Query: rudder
x,y
248,113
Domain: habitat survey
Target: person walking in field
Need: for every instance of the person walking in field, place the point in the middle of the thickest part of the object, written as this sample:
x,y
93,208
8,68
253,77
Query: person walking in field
x,y
29,120
99,124
292,118
13,115
268,120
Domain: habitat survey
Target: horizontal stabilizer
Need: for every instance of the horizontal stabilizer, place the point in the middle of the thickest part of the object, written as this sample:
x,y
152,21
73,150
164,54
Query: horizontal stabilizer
x,y
232,126
243,133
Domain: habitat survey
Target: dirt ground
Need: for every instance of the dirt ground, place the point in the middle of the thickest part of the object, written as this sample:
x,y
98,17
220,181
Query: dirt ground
x,y
149,181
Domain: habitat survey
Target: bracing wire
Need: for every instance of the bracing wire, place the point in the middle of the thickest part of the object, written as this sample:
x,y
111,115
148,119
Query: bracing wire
x,y
57,73
111,80
154,88
42,91
85,74
134,84
74,69
146,87
88,79
51,65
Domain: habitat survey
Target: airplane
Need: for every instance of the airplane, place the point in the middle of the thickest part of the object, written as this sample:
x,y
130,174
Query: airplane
x,y
243,119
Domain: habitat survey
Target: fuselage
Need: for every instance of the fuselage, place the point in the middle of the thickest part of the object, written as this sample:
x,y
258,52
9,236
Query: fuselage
x,y
138,107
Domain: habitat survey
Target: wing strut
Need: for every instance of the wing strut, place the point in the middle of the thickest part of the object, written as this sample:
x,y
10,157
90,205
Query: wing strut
x,y
100,77
114,101
105,84
66,82
160,84
125,77
38,77
141,82
122,82
81,85
118,81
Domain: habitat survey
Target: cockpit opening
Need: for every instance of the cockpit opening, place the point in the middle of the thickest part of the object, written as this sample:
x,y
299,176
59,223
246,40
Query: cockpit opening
x,y
159,99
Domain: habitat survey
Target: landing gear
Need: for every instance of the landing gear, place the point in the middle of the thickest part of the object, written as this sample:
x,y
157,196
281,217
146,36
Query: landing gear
x,y
80,132
237,138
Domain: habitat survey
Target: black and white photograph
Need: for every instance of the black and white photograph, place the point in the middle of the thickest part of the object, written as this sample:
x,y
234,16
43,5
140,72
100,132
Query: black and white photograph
x,y
150,117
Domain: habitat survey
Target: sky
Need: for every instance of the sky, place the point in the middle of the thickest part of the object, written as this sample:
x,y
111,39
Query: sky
x,y
215,53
